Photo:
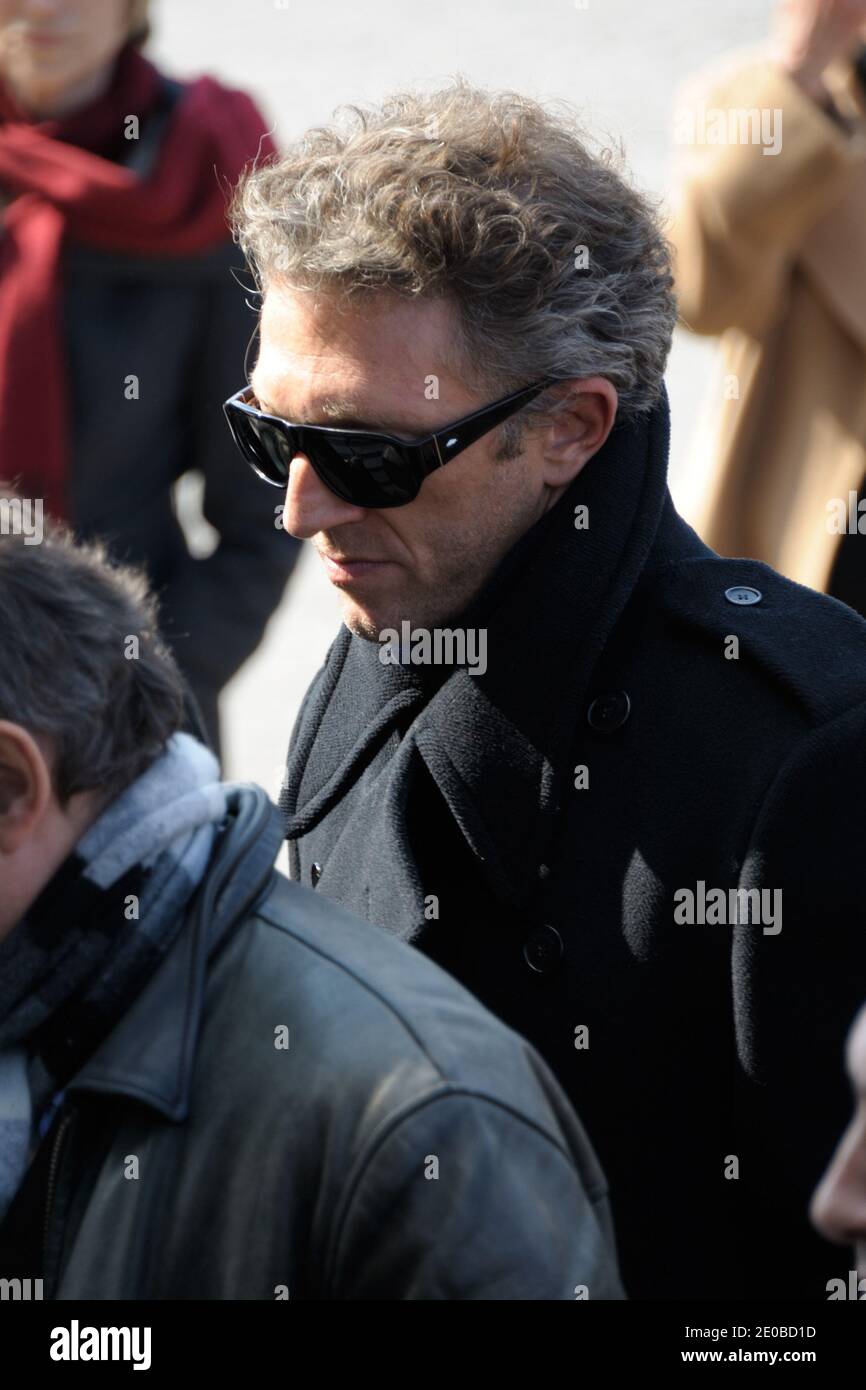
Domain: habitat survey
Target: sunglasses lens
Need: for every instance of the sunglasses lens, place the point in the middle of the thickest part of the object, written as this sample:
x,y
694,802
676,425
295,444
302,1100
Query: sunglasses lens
x,y
271,450
362,471
366,472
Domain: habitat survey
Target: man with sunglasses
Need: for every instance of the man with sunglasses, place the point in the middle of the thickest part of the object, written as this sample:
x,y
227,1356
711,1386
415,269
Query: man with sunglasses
x,y
636,835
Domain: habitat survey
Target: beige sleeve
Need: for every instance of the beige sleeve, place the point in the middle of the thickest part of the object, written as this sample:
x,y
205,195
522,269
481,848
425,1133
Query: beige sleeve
x,y
739,214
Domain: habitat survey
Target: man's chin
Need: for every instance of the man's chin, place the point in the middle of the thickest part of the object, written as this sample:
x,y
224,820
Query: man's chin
x,y
360,623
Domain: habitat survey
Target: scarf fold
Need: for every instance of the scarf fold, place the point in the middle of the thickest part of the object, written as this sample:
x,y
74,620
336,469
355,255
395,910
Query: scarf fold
x,y
65,182
384,699
97,932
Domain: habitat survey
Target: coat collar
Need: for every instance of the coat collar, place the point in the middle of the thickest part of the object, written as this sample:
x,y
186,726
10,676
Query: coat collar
x,y
499,745
507,773
150,1054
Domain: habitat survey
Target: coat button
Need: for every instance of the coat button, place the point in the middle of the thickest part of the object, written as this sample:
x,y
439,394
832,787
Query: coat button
x,y
609,712
543,949
315,873
743,594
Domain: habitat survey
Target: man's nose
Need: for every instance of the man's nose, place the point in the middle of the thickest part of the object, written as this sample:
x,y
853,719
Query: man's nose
x,y
310,505
838,1207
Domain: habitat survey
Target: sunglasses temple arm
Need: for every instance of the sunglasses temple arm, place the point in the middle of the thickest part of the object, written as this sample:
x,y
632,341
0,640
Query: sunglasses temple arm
x,y
474,426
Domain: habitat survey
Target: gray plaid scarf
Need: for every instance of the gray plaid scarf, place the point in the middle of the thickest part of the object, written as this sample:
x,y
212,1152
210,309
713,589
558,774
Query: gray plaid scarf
x,y
99,929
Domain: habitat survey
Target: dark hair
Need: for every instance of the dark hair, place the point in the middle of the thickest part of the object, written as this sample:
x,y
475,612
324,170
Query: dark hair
x,y
68,667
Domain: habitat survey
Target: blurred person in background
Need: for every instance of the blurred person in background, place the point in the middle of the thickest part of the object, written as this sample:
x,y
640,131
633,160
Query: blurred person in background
x,y
770,254
121,317
839,1203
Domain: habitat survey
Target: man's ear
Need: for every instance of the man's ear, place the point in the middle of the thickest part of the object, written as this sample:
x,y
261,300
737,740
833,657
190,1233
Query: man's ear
x,y
25,786
579,429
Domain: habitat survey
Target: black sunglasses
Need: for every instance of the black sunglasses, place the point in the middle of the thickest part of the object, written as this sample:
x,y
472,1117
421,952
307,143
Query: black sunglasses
x,y
362,467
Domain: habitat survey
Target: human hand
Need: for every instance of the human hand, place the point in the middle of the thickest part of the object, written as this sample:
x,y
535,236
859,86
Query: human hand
x,y
810,34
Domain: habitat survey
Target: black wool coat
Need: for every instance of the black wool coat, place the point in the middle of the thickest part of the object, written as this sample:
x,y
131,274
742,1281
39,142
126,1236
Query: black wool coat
x,y
538,829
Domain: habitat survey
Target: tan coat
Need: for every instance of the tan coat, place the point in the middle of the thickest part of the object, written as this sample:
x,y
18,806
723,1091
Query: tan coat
x,y
770,252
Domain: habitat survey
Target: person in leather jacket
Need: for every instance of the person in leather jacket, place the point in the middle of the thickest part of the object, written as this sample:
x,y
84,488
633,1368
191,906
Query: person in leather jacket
x,y
214,1084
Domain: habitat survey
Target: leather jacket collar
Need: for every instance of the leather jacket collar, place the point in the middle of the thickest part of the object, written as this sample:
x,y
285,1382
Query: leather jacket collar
x,y
149,1055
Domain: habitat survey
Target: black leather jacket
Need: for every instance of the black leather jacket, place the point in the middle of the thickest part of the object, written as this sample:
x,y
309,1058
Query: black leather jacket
x,y
297,1105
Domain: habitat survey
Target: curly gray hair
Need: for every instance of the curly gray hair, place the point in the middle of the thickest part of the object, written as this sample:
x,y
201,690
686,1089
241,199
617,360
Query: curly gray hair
x,y
556,265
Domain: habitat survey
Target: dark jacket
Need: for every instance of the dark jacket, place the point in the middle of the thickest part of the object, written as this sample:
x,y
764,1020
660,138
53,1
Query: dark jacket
x,y
182,328
396,1142
711,1075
